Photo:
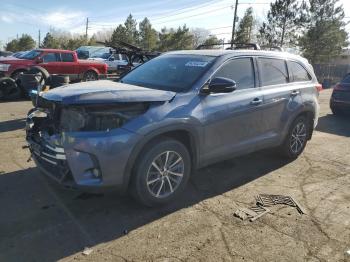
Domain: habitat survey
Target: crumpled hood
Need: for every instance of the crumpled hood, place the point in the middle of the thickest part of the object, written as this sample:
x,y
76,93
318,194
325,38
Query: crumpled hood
x,y
105,91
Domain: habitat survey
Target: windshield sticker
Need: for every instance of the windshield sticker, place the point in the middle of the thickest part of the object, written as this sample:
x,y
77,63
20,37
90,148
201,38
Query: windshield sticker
x,y
196,63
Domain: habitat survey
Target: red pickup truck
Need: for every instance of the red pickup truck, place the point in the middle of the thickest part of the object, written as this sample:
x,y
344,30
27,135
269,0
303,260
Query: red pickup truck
x,y
62,62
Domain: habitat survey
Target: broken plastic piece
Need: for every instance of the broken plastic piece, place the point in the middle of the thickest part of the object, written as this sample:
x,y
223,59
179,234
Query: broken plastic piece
x,y
87,251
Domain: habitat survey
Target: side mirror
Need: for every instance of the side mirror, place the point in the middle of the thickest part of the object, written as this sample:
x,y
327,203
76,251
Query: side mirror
x,y
39,60
220,85
111,59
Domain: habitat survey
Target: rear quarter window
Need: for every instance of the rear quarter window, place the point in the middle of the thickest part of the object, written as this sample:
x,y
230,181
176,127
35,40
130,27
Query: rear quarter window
x,y
273,71
298,72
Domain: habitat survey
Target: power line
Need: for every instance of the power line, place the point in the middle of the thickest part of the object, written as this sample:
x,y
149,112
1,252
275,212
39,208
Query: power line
x,y
203,13
169,12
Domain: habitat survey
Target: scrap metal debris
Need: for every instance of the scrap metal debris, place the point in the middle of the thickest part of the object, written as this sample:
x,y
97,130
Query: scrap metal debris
x,y
262,202
87,251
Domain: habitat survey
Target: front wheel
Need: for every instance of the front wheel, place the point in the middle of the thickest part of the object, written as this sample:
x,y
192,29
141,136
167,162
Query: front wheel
x,y
296,138
161,173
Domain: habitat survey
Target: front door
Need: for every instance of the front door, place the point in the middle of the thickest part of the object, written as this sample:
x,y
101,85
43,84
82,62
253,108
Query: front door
x,y
51,62
233,120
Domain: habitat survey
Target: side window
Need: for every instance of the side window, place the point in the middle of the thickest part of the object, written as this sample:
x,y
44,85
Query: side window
x,y
124,57
298,72
273,71
240,70
50,57
67,57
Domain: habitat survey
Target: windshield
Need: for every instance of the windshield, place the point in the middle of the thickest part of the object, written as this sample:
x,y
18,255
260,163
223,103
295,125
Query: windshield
x,y
103,56
175,73
31,55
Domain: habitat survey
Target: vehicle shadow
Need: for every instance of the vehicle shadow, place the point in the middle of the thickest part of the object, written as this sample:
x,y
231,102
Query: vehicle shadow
x,y
334,124
46,222
12,125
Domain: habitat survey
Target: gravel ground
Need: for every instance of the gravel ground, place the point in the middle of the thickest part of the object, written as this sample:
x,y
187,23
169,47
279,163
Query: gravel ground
x,y
39,221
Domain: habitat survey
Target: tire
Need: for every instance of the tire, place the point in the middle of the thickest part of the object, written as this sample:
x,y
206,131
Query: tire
x,y
151,184
296,138
9,89
41,72
90,76
58,80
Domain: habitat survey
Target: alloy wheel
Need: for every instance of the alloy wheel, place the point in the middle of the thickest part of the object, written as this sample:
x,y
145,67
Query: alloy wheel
x,y
90,76
165,174
298,137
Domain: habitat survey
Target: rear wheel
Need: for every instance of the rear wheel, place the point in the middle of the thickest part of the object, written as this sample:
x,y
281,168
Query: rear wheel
x,y
161,173
90,76
296,138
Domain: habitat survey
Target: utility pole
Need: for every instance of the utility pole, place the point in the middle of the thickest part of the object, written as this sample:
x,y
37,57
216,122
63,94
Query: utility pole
x,y
87,27
234,24
39,39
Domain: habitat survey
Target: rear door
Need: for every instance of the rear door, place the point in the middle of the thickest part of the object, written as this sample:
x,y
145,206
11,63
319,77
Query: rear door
x,y
233,120
51,61
68,66
281,97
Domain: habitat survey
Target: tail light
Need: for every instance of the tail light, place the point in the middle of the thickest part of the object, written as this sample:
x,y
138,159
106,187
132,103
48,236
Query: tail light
x,y
319,87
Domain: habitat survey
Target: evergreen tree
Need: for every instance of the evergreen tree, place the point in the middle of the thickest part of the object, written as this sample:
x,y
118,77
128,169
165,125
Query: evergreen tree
x,y
245,27
148,35
326,35
131,30
119,34
24,43
50,41
12,46
213,42
284,19
181,39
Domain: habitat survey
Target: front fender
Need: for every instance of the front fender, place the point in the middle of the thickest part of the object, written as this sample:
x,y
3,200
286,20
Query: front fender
x,y
182,125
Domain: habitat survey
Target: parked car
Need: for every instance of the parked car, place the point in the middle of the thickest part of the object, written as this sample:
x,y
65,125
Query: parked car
x,y
5,53
340,99
85,52
62,62
177,112
114,62
19,54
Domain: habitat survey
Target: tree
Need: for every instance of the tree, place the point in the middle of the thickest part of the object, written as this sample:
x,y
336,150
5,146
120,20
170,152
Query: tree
x,y
199,36
169,39
147,35
325,36
24,43
50,41
214,41
119,34
284,19
245,27
12,46
131,30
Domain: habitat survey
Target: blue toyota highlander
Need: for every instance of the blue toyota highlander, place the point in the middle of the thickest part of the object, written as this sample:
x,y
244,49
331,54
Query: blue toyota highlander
x,y
180,111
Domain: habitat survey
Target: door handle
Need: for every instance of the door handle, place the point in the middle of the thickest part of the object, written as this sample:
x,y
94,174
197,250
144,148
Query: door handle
x,y
256,101
295,93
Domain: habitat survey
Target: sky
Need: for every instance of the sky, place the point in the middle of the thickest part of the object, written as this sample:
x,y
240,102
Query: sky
x,y
18,17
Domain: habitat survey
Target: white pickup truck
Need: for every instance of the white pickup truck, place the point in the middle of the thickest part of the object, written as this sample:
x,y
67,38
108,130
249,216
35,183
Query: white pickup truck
x,y
114,62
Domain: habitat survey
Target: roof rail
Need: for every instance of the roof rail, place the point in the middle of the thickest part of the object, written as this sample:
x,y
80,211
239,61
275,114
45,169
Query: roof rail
x,y
272,48
235,46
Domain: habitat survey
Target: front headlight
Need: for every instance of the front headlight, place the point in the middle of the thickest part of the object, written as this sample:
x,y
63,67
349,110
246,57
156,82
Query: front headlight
x,y
98,118
4,67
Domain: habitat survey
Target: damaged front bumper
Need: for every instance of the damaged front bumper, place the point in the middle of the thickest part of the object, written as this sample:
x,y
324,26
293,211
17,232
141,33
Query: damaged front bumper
x,y
89,161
